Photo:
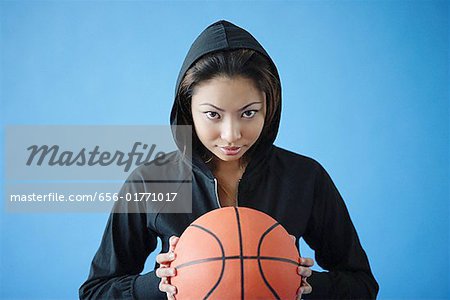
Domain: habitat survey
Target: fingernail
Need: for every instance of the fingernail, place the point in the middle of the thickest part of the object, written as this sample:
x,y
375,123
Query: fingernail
x,y
171,255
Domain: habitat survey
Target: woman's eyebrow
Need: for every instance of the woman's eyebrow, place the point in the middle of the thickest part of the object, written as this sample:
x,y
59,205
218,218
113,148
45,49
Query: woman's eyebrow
x,y
220,109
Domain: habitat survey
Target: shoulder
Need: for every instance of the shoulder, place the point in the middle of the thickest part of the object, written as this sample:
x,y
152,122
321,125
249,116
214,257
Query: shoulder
x,y
296,168
286,159
166,167
301,167
159,176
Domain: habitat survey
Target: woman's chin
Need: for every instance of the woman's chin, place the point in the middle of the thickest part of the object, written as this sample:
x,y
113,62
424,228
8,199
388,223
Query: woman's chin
x,y
227,158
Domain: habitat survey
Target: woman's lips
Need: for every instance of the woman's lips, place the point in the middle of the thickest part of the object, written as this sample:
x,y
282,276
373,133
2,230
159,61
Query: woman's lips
x,y
230,150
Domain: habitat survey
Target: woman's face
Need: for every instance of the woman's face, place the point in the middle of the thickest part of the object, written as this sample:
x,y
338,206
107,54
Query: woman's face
x,y
228,115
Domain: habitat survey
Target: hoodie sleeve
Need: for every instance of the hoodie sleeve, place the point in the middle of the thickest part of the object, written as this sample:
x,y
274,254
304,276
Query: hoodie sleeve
x,y
127,241
331,234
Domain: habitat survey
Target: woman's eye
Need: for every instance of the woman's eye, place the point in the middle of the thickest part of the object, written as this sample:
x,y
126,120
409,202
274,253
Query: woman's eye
x,y
212,115
249,113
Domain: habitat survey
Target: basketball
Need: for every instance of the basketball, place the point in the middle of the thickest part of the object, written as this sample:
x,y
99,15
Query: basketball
x,y
236,253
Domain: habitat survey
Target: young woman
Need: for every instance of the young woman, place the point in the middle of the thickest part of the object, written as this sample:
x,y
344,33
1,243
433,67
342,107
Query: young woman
x,y
229,90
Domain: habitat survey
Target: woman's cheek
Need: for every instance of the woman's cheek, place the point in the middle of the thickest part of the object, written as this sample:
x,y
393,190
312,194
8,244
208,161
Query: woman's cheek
x,y
207,131
257,129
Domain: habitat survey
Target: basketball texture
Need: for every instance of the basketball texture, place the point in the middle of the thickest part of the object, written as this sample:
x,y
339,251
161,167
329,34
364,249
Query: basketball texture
x,y
236,253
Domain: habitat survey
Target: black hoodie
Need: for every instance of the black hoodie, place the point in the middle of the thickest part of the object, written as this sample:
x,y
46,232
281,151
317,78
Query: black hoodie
x,y
292,188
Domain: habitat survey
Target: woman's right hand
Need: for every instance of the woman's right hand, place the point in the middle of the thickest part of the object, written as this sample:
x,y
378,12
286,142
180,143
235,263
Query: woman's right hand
x,y
164,271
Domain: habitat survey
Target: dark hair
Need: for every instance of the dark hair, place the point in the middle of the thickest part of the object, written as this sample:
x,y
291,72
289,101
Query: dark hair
x,y
230,63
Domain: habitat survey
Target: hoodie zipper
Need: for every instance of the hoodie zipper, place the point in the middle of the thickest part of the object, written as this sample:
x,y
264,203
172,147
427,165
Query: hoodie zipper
x,y
237,193
217,194
215,190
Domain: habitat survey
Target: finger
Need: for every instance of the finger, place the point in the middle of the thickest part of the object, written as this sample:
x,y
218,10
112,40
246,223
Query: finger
x,y
170,296
304,272
173,240
167,288
306,261
293,237
306,287
299,293
164,287
171,293
165,258
165,272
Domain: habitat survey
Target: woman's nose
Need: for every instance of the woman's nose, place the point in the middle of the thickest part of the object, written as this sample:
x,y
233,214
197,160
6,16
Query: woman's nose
x,y
231,131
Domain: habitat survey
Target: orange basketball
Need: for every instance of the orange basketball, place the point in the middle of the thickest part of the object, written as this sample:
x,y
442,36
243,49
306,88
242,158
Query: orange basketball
x,y
236,253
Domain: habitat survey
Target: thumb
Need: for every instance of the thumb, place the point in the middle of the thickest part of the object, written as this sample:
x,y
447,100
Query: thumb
x,y
293,238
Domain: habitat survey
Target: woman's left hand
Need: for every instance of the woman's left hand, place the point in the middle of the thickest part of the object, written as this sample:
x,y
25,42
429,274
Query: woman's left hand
x,y
304,270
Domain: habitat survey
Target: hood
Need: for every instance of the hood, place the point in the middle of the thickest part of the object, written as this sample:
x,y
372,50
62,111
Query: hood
x,y
223,35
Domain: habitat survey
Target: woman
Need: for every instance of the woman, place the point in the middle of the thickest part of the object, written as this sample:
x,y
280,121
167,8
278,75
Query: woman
x,y
229,90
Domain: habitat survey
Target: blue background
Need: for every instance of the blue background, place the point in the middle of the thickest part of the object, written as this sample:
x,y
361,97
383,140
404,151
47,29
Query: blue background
x,y
365,92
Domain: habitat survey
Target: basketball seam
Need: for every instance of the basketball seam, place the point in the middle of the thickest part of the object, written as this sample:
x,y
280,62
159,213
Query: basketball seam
x,y
241,258
240,253
205,260
259,261
223,260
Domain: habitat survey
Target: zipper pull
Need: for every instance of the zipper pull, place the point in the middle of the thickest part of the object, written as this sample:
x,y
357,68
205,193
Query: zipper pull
x,y
237,192
216,193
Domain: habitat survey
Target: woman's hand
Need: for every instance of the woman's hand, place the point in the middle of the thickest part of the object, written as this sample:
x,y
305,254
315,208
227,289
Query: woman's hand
x,y
164,271
304,271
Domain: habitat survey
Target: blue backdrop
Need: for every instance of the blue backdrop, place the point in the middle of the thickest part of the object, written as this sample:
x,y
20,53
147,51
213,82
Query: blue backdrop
x,y
365,92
